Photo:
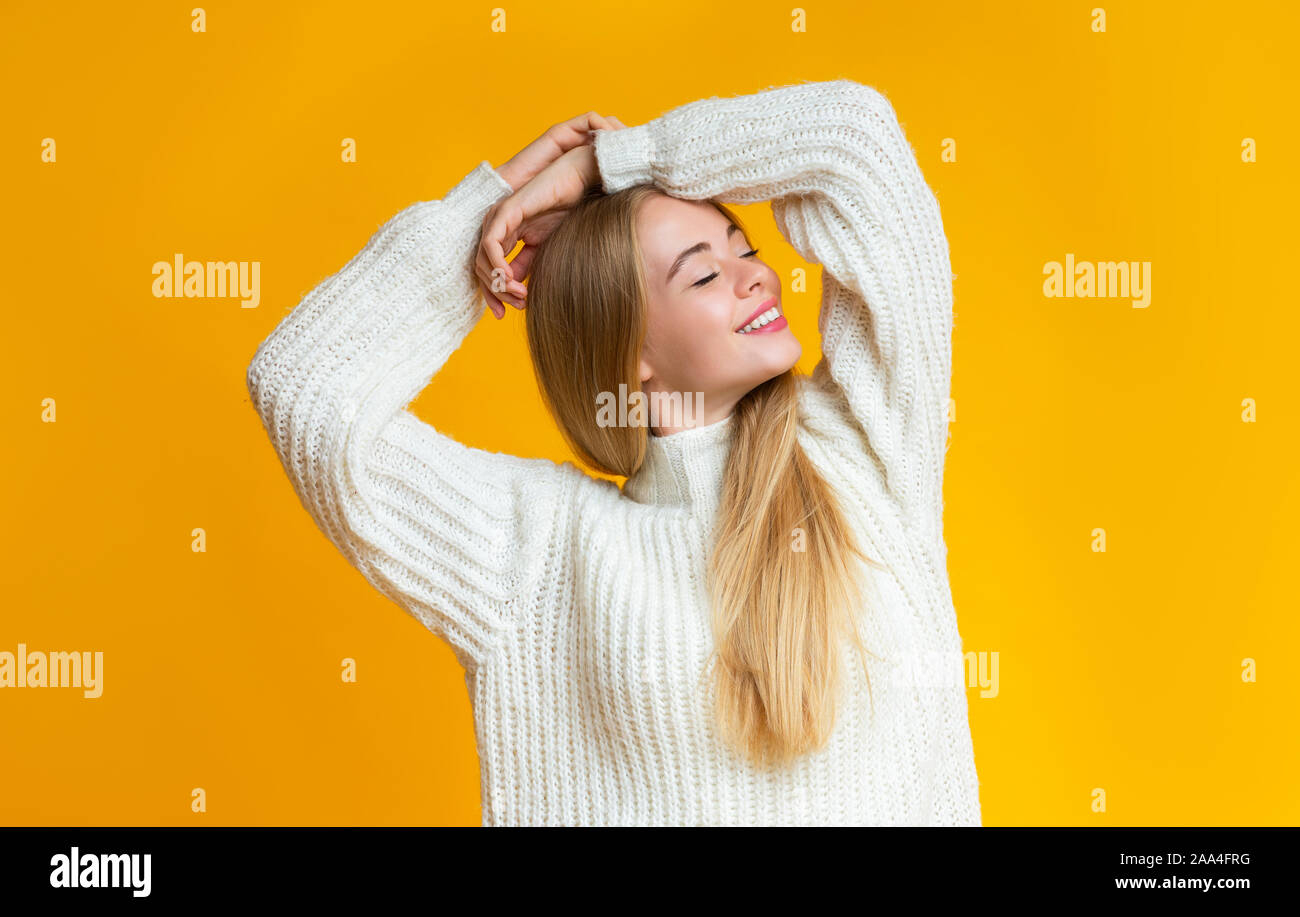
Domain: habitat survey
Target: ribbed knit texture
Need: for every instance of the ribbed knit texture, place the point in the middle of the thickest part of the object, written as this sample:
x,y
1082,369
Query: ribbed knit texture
x,y
579,611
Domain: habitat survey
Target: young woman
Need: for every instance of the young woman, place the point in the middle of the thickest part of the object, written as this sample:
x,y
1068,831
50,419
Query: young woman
x,y
735,636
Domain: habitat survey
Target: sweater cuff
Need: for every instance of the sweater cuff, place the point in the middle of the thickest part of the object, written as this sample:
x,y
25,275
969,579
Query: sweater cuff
x,y
478,190
625,157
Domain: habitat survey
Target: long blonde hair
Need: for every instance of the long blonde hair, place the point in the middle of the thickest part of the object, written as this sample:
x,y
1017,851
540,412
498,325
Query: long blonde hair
x,y
781,576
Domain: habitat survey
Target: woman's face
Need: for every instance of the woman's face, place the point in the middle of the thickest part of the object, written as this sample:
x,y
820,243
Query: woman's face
x,y
705,284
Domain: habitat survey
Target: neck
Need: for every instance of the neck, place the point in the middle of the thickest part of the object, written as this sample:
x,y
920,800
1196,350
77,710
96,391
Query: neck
x,y
684,468
673,411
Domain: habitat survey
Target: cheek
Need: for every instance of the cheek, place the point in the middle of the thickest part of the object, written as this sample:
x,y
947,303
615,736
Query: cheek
x,y
708,335
696,342
699,329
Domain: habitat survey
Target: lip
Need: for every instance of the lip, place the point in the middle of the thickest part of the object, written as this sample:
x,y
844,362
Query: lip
x,y
757,312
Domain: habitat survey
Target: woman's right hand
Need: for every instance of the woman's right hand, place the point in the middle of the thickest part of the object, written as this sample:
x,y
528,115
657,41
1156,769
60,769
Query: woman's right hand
x,y
530,214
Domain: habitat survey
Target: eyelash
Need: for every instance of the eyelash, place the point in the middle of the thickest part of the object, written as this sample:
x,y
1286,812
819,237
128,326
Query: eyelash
x,y
704,280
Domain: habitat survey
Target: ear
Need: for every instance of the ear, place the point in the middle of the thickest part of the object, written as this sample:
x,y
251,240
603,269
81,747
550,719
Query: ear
x,y
645,370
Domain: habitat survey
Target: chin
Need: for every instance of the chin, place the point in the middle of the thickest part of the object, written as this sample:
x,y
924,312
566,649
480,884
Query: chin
x,y
777,367
787,357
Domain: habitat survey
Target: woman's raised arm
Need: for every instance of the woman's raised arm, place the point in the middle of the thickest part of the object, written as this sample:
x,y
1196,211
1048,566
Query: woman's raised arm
x,y
847,193
451,533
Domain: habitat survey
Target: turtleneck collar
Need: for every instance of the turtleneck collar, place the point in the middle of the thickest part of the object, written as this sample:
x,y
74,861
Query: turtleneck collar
x,y
684,468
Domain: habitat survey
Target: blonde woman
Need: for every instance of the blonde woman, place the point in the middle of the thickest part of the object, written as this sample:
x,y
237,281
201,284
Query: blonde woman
x,y
757,628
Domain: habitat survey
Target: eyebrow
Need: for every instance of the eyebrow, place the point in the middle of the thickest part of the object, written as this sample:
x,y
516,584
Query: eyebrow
x,y
695,250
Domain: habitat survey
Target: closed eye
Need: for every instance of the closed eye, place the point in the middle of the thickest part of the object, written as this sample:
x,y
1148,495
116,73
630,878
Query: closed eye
x,y
705,281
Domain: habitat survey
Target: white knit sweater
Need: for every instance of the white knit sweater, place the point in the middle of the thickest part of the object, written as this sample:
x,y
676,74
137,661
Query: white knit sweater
x,y
578,610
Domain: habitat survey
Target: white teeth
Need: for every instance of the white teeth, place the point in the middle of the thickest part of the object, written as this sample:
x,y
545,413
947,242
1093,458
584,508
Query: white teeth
x,y
769,316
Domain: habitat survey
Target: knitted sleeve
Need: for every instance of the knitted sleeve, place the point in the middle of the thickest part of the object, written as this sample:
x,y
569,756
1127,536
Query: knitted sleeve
x,y
450,533
846,193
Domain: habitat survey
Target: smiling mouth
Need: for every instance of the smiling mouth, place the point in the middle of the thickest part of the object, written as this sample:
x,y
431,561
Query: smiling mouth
x,y
767,313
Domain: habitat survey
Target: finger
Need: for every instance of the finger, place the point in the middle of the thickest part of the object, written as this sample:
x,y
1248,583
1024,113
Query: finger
x,y
518,272
510,276
499,284
493,304
577,130
496,237
523,263
501,287
493,300
482,269
492,228
487,265
618,125
485,285
501,295
483,266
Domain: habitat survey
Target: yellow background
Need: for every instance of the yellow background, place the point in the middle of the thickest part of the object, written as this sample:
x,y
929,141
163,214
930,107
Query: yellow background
x,y
1118,670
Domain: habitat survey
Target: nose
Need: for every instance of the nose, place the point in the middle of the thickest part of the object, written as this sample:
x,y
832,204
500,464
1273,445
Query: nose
x,y
751,281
